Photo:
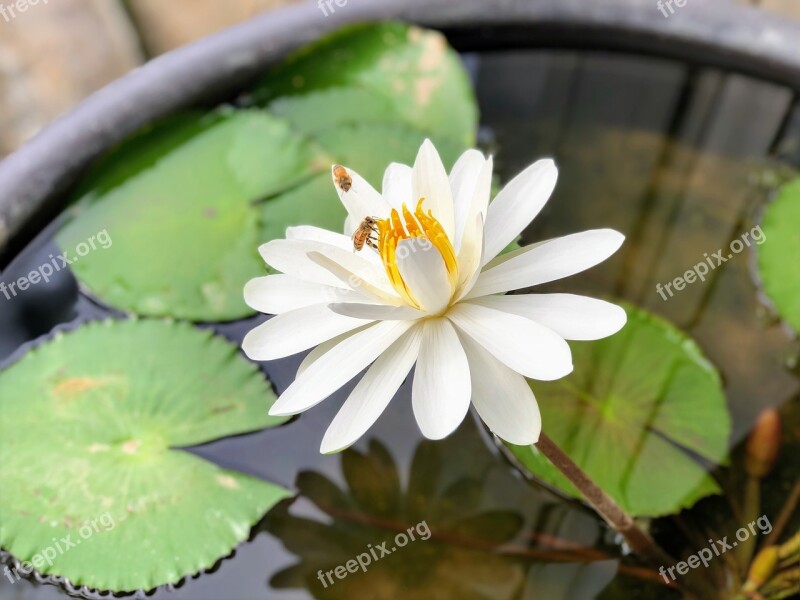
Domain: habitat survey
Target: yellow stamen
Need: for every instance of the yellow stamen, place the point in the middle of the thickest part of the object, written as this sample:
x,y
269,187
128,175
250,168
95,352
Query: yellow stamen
x,y
418,225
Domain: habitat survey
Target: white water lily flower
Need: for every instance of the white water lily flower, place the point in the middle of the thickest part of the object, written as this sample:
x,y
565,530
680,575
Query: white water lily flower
x,y
431,295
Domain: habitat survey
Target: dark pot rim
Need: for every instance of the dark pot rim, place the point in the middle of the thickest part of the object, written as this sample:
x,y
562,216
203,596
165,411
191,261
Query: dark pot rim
x,y
713,33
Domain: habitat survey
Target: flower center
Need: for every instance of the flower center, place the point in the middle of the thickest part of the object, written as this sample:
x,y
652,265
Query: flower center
x,y
417,225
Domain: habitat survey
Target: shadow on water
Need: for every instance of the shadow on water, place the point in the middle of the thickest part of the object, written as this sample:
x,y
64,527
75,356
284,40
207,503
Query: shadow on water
x,y
674,157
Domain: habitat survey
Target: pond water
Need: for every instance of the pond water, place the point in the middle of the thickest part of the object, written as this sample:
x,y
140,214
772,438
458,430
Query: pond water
x,y
679,159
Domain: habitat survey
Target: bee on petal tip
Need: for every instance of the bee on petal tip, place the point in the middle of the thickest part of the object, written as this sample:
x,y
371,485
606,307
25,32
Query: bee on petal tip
x,y
365,233
342,178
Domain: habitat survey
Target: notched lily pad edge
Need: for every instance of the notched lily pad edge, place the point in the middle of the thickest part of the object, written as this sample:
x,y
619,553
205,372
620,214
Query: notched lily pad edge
x,y
89,593
114,316
7,559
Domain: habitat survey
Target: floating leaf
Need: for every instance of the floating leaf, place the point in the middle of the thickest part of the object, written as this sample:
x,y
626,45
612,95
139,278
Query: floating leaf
x,y
86,453
326,109
639,409
778,256
410,68
370,148
176,206
188,202
315,202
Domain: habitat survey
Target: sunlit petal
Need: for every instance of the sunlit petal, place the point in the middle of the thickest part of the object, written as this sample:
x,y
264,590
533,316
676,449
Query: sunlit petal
x,y
338,366
430,182
549,261
517,205
373,393
502,397
521,344
441,391
570,316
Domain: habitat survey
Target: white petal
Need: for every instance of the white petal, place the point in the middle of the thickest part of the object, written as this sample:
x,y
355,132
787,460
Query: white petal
x,y
549,261
276,294
422,268
431,183
375,287
471,182
570,316
323,348
441,390
517,205
341,241
373,393
501,258
291,257
361,200
470,257
522,345
339,365
295,331
317,234
349,227
398,186
377,312
503,398
464,177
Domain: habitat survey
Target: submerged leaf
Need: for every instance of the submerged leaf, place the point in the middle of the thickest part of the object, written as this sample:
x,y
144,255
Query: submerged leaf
x,y
639,413
86,454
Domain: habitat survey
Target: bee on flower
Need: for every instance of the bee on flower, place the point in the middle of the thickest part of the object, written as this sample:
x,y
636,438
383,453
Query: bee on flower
x,y
429,293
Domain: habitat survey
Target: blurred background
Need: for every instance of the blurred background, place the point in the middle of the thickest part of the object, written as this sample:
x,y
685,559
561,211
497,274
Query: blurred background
x,y
40,79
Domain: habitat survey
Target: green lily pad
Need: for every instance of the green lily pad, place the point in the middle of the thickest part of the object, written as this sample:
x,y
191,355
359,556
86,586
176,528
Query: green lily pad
x,y
90,475
175,206
322,110
638,414
370,148
316,202
186,203
777,257
367,139
412,69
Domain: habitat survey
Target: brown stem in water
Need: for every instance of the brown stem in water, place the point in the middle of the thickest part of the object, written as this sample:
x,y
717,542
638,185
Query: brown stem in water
x,y
639,541
784,516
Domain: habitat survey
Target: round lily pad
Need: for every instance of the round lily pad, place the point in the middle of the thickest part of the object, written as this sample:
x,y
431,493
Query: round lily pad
x,y
175,216
412,69
373,146
643,414
175,208
329,108
779,254
93,487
